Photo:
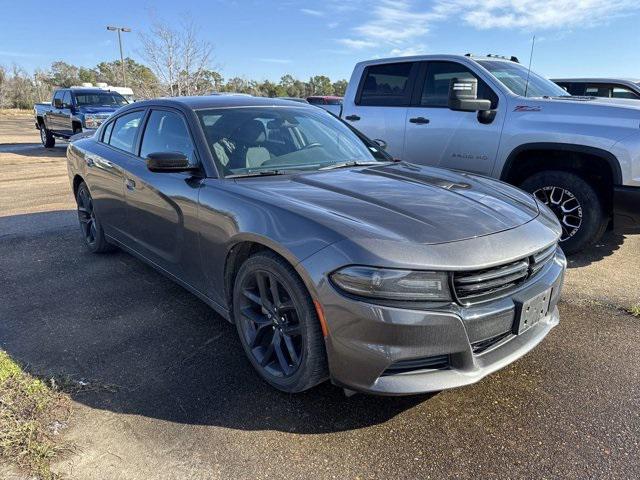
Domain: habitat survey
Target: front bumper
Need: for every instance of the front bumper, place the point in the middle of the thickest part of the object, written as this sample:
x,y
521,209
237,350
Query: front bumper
x,y
626,209
366,340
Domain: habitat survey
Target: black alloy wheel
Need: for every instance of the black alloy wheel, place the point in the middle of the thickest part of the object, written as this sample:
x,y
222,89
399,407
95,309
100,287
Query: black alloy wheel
x,y
278,324
90,227
271,324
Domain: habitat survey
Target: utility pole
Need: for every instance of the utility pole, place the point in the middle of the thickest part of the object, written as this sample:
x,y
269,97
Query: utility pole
x,y
120,29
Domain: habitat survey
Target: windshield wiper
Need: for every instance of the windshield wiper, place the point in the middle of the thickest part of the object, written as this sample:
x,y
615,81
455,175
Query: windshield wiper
x,y
350,163
259,173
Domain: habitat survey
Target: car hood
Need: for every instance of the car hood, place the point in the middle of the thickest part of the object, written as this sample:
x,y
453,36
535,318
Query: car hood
x,y
401,201
97,109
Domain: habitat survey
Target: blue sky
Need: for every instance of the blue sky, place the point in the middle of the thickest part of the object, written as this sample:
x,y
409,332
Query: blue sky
x,y
266,39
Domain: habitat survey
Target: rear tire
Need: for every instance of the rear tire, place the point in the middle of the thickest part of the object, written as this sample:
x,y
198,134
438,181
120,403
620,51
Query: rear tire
x,y
575,202
280,332
90,227
48,140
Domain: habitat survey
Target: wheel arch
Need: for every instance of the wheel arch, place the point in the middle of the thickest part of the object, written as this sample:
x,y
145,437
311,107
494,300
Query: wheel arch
x,y
596,165
244,246
77,180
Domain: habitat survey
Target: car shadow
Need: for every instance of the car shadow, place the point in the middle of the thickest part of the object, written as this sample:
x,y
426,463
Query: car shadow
x,y
124,338
605,247
34,149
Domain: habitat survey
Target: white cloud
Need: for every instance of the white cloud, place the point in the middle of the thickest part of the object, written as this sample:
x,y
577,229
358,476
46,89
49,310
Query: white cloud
x,y
536,14
355,44
408,51
399,25
274,60
312,12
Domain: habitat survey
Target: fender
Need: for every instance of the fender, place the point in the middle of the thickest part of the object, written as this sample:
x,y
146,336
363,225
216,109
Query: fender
x,y
611,159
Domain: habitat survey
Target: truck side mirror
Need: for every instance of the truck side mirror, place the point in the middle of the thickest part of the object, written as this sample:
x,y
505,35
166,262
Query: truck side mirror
x,y
57,102
463,96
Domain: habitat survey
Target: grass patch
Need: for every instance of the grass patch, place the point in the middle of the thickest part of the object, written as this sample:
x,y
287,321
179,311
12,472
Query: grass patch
x,y
31,413
9,112
635,310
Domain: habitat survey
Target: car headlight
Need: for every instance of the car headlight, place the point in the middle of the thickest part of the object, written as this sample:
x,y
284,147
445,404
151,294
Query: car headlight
x,y
91,121
391,284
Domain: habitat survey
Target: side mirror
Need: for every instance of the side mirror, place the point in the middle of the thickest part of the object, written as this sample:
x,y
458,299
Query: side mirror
x,y
57,102
380,143
168,162
463,96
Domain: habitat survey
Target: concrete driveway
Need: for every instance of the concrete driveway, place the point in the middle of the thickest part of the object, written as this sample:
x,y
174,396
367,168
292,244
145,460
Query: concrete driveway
x,y
170,394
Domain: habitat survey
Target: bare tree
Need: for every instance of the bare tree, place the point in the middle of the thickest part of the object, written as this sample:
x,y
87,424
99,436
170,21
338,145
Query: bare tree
x,y
178,57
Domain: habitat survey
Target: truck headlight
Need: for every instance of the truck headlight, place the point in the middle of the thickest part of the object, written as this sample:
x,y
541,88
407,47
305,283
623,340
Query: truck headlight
x,y
391,284
91,121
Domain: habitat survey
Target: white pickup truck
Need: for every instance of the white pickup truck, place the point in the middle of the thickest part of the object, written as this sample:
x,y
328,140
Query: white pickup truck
x,y
490,115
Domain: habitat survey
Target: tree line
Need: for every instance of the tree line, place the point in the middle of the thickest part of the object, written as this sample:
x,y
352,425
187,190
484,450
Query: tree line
x,y
176,62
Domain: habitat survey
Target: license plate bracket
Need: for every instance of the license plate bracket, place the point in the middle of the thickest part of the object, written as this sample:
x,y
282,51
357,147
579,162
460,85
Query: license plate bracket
x,y
533,310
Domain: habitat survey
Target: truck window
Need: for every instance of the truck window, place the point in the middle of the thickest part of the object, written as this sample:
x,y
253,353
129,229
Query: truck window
x,y
124,131
435,92
58,95
387,85
166,132
624,92
66,99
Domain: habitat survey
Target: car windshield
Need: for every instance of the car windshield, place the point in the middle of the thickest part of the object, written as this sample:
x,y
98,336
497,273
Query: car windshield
x,y
100,99
514,77
255,140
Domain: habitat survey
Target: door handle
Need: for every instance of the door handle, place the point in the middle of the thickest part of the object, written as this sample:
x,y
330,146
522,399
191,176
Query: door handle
x,y
131,184
352,118
419,120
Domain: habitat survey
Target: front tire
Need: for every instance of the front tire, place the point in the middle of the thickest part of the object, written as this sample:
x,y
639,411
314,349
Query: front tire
x,y
576,204
47,139
278,325
90,227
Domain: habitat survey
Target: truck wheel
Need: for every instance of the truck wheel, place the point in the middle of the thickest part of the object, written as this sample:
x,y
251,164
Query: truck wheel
x,y
48,140
576,204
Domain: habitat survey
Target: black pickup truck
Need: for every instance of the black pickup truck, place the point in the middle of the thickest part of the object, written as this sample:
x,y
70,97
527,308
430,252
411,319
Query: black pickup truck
x,y
74,110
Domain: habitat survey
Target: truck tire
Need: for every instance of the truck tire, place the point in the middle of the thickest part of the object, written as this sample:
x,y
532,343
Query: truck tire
x,y
48,140
576,204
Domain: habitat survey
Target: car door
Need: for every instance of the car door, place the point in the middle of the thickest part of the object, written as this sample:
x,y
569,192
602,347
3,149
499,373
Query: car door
x,y
162,207
53,122
379,109
65,125
106,171
436,135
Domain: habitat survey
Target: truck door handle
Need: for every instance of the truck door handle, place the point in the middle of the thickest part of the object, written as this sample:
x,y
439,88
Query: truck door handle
x,y
352,118
131,184
419,120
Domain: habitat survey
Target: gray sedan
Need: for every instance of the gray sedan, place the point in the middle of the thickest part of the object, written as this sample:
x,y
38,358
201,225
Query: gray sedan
x,y
334,260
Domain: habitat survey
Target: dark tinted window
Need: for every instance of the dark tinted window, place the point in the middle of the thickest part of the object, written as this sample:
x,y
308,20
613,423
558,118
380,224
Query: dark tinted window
x,y
623,92
334,101
387,84
124,131
166,132
102,99
435,92
315,101
66,99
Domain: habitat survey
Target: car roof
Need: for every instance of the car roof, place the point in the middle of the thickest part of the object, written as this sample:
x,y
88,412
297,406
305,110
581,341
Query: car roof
x,y
223,101
597,80
443,57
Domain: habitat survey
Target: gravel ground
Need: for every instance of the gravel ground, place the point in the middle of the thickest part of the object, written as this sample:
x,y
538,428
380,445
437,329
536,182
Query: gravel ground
x,y
171,396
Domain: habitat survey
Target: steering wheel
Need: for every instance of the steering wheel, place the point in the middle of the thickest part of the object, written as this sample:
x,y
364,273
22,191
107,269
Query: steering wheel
x,y
311,145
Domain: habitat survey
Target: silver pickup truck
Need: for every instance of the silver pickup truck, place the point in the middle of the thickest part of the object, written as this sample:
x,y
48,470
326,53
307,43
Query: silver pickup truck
x,y
490,115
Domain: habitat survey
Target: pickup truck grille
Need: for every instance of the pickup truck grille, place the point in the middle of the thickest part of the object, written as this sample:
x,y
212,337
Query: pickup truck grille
x,y
483,285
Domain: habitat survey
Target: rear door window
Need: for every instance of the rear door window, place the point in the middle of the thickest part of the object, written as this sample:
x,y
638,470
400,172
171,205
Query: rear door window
x,y
166,132
387,85
125,130
624,92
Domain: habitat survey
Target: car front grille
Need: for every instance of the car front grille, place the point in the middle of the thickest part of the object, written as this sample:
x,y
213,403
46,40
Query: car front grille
x,y
436,362
490,283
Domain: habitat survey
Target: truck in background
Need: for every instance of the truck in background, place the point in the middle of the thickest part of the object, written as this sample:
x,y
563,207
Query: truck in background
x,y
492,116
74,110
